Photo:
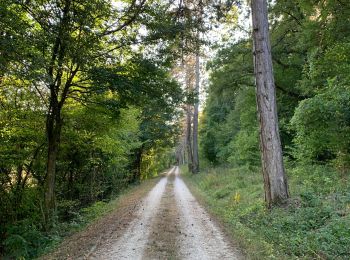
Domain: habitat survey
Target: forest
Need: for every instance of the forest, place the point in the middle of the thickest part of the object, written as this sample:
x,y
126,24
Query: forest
x,y
251,98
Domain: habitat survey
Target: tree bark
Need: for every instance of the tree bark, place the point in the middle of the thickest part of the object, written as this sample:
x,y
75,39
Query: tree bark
x,y
188,138
195,166
53,131
136,167
275,181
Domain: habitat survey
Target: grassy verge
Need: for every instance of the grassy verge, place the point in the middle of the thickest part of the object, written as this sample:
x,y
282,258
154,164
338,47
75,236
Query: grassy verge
x,y
315,224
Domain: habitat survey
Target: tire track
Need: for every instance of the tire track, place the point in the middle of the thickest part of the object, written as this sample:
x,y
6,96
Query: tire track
x,y
201,238
132,243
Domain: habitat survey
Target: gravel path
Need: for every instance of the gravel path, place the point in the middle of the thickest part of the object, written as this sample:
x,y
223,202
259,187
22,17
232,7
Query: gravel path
x,y
169,224
155,220
131,244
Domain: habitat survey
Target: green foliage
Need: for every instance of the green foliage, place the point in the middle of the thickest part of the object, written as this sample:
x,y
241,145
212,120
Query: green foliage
x,y
228,132
322,126
24,239
244,145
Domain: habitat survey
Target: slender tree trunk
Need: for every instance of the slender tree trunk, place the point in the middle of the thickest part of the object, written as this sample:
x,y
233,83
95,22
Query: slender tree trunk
x,y
195,166
189,138
18,191
54,120
188,135
19,176
184,150
71,184
275,181
184,156
137,165
53,131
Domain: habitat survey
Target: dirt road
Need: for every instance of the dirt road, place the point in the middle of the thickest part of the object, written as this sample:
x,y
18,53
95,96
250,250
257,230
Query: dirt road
x,y
168,223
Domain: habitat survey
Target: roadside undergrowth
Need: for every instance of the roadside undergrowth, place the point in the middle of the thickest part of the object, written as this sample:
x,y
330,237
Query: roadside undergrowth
x,y
314,225
37,243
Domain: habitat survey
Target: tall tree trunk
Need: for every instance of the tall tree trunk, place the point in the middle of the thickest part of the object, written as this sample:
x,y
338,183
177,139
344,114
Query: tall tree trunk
x,y
184,155
195,166
53,131
18,191
54,120
184,159
71,184
189,138
137,164
275,182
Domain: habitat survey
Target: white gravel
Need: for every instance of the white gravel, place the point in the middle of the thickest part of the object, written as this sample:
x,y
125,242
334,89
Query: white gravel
x,y
201,238
131,244
198,237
